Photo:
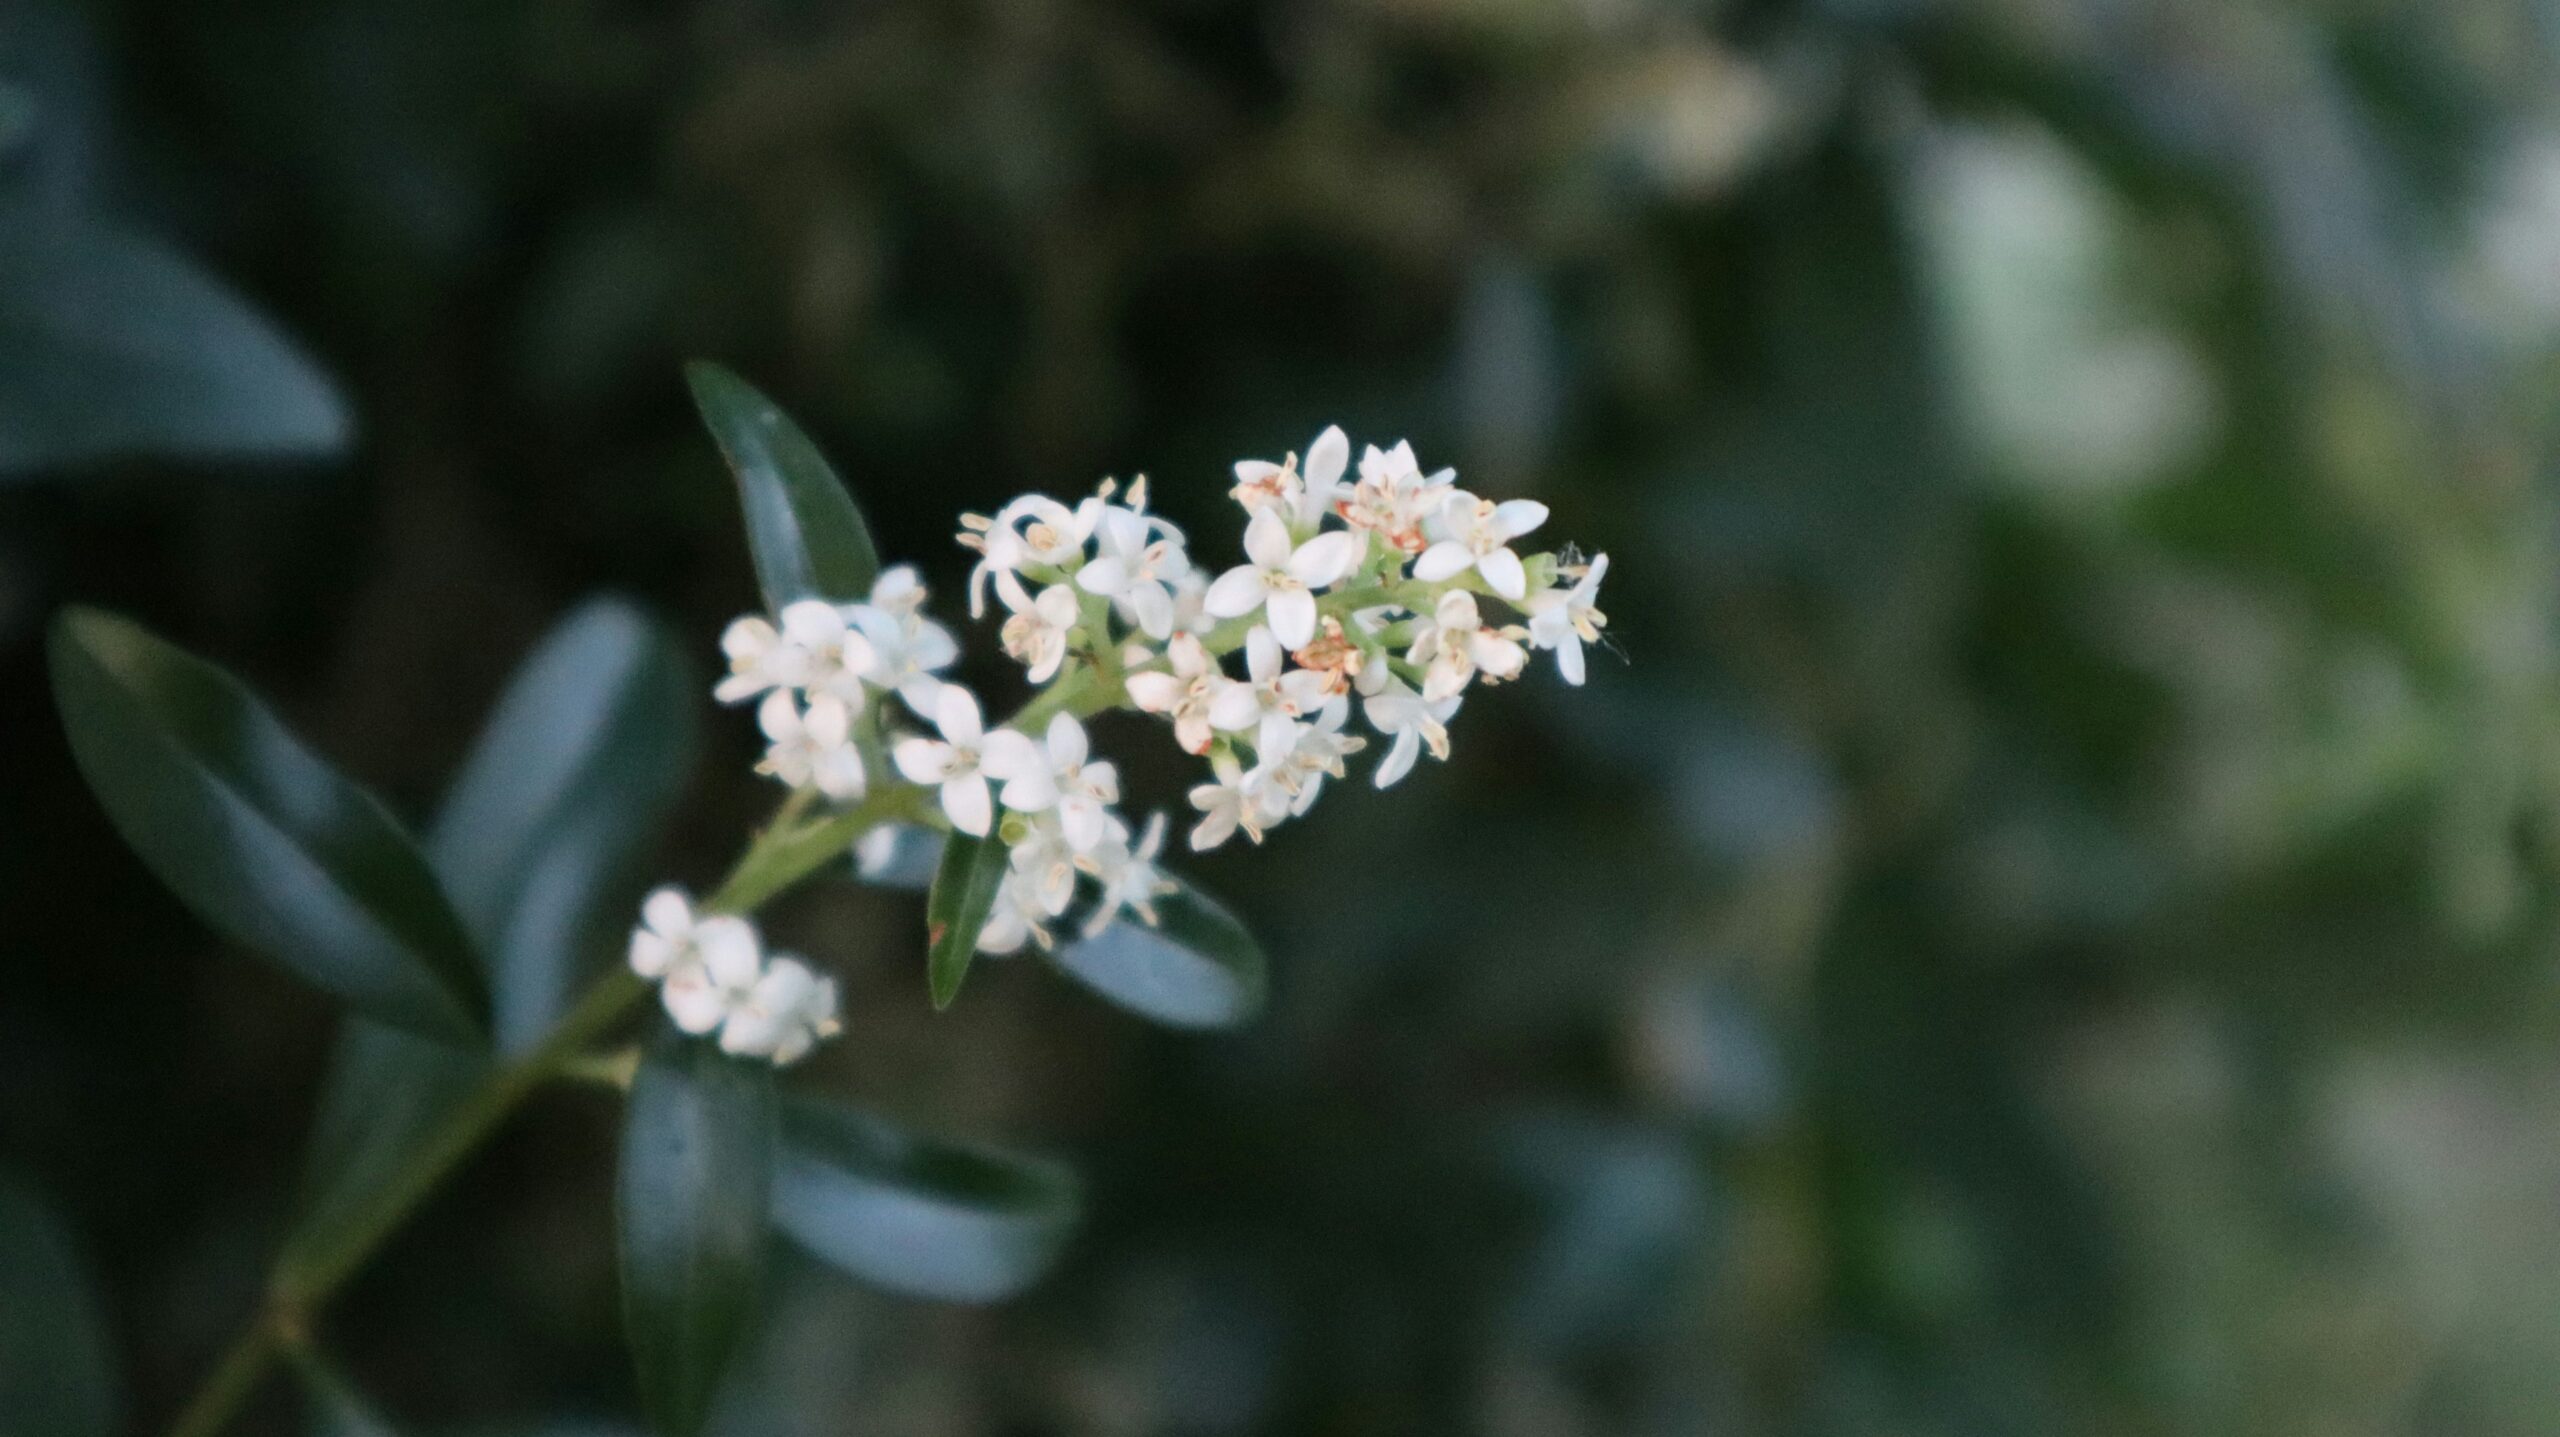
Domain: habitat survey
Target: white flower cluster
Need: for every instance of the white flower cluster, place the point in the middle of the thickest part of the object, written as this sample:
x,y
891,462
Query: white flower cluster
x,y
714,976
1369,590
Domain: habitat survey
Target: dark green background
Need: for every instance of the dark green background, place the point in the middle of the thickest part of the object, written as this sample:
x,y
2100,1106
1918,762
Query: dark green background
x,y
2050,930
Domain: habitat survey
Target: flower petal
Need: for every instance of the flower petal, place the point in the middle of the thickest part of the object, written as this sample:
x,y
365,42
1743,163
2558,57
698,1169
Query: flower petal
x,y
970,807
922,760
1266,540
1515,517
1324,558
1327,457
1293,617
956,714
1067,745
1502,570
1237,592
1444,560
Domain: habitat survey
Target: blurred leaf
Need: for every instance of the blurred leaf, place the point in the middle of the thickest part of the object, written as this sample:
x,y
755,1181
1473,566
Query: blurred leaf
x,y
955,912
264,840
692,1200
113,345
1197,968
899,855
337,1408
916,1215
386,1090
17,119
55,1377
574,770
809,538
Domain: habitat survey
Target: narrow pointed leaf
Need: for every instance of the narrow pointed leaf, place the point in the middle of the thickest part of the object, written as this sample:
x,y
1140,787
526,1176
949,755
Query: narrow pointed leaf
x,y
692,1199
955,912
918,1215
264,840
55,1377
112,344
807,535
578,764
1198,968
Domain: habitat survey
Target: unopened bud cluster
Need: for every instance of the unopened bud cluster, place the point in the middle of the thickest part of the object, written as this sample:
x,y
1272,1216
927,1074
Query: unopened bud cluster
x,y
1392,591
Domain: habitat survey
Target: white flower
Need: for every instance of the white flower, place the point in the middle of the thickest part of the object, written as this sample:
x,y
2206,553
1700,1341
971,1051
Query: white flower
x,y
1320,750
1271,698
759,659
1469,532
672,936
1128,874
1302,498
783,1015
1411,721
1017,918
907,649
1455,643
954,762
1235,800
1036,635
1394,497
1281,578
811,748
1034,529
1187,695
707,963
1137,564
1566,619
837,657
1082,792
1045,862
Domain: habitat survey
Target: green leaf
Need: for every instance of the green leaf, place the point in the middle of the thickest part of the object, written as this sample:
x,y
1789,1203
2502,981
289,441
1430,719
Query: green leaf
x,y
262,839
111,344
578,764
914,1214
964,893
808,537
1198,968
693,1197
337,1408
386,1090
55,1377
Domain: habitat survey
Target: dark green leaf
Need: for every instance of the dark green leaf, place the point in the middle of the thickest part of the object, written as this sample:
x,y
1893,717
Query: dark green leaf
x,y
337,1408
808,537
55,1378
564,790
964,893
693,1195
1198,968
920,1216
265,841
386,1090
113,345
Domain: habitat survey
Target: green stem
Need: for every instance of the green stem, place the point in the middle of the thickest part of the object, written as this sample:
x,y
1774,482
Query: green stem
x,y
304,1279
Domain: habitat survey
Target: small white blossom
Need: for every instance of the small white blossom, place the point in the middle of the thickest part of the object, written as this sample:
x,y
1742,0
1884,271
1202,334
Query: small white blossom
x,y
958,763
783,1015
1302,498
1036,634
1566,619
705,965
1318,755
1455,643
1240,799
1060,776
1034,529
1188,695
1128,874
1045,862
907,649
1410,721
1138,565
1271,698
837,657
1018,917
1394,497
759,659
1469,532
812,747
1282,577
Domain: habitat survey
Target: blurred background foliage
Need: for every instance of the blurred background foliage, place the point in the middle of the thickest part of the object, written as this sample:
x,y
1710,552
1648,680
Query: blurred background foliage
x,y
2052,929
